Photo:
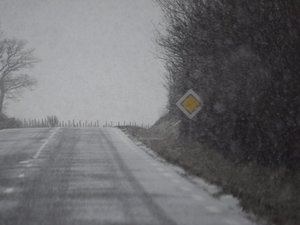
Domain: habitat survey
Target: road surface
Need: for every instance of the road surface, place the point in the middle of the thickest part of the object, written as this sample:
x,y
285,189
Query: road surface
x,y
64,176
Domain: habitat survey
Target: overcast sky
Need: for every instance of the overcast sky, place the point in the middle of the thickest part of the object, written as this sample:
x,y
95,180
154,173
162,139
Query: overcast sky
x,y
97,58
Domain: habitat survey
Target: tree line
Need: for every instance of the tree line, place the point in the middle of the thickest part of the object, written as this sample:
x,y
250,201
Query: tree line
x,y
242,57
54,121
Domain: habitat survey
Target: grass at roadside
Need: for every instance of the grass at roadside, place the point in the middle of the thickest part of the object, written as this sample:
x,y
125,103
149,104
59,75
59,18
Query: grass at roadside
x,y
273,195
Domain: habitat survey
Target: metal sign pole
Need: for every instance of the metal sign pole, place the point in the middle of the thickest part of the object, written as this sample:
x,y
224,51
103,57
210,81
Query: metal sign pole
x,y
190,130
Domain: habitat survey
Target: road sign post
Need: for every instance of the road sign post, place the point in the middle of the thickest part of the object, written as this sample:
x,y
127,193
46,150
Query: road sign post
x,y
190,104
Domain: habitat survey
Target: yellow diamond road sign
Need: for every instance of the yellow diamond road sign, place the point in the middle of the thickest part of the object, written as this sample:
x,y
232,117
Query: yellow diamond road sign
x,y
190,104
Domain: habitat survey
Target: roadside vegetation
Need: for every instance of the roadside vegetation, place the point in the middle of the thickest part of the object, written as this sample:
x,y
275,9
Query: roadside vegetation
x,y
242,57
272,194
15,60
6,122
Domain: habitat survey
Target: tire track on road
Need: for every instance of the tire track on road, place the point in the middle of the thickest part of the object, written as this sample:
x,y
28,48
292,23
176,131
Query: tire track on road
x,y
156,211
43,198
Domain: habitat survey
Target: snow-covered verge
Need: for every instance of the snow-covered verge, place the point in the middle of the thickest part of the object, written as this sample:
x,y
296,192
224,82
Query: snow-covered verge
x,y
273,195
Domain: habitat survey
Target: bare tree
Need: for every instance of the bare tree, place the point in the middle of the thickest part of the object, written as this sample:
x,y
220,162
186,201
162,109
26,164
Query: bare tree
x,y
14,58
52,121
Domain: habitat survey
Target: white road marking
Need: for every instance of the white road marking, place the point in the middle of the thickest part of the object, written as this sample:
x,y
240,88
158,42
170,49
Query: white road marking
x,y
37,154
9,190
213,209
29,165
21,175
198,197
24,162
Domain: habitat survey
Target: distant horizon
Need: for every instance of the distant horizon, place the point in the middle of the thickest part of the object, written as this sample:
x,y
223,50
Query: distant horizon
x,y
97,59
40,122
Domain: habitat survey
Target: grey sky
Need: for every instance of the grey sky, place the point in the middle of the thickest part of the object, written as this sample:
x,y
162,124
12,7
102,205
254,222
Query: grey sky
x,y
98,58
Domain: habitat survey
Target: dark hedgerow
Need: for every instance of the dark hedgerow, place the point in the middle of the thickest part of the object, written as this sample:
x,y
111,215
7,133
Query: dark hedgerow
x,y
242,57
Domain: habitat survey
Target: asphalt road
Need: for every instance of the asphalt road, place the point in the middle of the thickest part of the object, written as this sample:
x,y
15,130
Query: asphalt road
x,y
98,176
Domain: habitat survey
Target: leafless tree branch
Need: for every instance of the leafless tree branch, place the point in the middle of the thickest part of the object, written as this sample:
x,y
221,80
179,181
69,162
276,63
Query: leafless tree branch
x,y
14,57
